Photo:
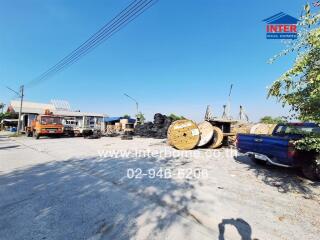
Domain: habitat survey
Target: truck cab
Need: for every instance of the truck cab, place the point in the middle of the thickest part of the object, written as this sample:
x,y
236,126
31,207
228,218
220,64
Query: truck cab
x,y
46,125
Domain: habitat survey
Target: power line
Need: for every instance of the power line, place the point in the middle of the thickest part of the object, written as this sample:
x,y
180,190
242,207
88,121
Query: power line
x,y
127,15
85,44
73,58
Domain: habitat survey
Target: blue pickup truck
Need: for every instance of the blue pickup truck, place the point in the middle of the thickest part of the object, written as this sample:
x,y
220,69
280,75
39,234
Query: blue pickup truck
x,y
278,148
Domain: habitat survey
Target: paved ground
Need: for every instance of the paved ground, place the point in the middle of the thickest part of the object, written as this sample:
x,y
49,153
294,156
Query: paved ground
x,y
74,188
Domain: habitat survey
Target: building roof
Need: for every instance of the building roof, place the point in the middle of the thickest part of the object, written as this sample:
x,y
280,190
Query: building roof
x,y
76,114
39,108
30,107
116,119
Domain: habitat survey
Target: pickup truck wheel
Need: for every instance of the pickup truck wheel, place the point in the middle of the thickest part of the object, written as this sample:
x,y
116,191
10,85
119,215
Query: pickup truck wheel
x,y
311,170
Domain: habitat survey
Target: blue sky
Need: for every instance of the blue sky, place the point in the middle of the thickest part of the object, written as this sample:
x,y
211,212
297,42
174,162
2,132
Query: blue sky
x,y
177,57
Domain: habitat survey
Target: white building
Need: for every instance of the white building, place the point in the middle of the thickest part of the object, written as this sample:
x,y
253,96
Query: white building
x,y
30,110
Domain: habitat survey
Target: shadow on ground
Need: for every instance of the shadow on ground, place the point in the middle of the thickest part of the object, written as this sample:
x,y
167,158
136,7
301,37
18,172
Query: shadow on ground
x,y
243,228
91,199
8,147
284,179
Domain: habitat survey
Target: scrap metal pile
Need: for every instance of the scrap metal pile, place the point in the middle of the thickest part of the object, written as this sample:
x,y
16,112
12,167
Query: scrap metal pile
x,y
156,129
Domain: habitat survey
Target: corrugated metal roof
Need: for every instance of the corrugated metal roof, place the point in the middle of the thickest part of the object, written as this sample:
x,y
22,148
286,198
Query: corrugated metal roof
x,y
31,107
116,119
39,108
77,114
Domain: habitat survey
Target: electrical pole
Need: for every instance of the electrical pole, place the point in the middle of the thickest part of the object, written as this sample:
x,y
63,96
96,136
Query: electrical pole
x,y
229,103
20,110
20,94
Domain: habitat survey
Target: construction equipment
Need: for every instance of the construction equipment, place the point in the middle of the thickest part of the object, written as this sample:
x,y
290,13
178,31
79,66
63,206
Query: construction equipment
x,y
209,115
45,125
243,115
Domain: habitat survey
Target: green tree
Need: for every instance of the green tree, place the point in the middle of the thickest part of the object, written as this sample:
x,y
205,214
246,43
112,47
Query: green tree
x,y
175,117
140,117
126,116
299,87
2,105
8,115
271,120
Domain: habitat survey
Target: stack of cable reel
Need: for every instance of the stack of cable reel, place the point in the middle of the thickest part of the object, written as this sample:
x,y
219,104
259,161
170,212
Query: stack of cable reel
x,y
186,135
210,136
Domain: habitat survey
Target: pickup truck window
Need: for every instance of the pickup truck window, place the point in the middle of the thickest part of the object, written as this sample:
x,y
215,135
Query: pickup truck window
x,y
302,130
279,130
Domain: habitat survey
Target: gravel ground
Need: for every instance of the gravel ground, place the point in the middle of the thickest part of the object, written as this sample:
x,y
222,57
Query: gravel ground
x,y
75,188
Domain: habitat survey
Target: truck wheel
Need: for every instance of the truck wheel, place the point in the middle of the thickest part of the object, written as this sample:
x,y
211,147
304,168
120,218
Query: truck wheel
x,y
311,169
36,135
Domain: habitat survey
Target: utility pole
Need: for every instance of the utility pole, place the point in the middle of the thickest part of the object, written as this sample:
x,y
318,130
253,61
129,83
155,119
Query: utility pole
x,y
20,110
229,103
137,104
20,94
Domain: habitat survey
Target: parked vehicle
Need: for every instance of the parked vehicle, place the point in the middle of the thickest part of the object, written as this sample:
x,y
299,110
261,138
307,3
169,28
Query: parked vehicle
x,y
88,126
278,148
69,124
45,125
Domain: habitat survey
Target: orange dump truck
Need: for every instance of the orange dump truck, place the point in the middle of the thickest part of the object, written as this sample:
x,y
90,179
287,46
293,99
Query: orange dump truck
x,y
45,125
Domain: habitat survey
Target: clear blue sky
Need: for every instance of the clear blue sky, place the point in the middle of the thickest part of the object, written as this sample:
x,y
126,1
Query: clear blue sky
x,y
177,57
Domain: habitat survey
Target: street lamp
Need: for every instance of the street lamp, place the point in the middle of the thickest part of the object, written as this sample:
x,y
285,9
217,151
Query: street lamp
x,y
137,104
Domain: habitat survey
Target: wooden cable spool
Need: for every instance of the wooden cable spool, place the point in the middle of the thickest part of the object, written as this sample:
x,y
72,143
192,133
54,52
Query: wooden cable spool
x,y
206,133
260,128
183,134
271,128
168,134
217,138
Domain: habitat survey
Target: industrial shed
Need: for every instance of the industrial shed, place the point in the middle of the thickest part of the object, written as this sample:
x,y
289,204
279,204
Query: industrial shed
x,y
30,110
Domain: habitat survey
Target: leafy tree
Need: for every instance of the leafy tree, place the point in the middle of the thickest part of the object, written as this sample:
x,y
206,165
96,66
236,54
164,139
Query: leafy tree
x,y
8,115
176,117
271,120
2,105
299,87
140,117
126,116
